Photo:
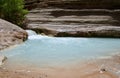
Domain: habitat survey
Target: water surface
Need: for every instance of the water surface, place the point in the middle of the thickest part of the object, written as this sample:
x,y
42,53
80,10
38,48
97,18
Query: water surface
x,y
44,51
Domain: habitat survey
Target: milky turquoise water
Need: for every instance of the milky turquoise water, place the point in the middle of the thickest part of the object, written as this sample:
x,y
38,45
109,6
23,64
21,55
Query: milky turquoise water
x,y
43,51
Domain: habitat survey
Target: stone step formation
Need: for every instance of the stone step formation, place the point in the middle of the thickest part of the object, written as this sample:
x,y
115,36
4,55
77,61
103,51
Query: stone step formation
x,y
63,21
73,4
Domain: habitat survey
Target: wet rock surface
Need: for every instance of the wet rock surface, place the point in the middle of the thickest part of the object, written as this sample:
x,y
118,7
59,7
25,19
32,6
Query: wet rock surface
x,y
10,34
75,22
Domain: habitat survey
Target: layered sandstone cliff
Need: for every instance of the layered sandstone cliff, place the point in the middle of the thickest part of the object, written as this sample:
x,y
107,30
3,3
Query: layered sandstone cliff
x,y
86,18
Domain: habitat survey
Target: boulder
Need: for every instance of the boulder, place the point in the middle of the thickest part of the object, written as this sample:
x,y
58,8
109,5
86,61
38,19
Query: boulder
x,y
10,34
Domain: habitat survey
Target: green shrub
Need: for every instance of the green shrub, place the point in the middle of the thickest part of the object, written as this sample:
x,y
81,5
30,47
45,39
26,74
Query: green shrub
x,y
12,10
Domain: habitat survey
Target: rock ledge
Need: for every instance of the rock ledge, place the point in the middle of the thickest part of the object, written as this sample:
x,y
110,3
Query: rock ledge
x,y
10,34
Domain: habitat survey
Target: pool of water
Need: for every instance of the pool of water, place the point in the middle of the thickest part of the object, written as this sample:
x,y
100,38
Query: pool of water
x,y
44,51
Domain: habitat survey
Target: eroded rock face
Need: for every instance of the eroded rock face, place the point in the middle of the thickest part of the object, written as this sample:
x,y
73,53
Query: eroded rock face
x,y
30,4
82,4
73,4
77,18
10,34
75,22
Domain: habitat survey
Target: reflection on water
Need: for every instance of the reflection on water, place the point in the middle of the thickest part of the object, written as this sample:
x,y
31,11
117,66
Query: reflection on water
x,y
43,51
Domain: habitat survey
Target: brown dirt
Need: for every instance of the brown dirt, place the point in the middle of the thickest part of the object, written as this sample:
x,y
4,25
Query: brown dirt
x,y
104,68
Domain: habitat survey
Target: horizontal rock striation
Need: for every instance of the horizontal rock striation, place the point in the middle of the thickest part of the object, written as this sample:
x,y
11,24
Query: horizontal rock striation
x,y
72,22
82,4
30,4
76,18
10,34
74,4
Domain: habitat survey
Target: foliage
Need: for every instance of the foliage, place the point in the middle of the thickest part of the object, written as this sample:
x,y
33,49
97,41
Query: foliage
x,y
12,10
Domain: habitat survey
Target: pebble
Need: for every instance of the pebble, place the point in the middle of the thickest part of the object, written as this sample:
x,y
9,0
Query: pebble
x,y
28,71
102,70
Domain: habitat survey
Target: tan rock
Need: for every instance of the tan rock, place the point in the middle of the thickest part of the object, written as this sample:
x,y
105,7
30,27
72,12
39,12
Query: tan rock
x,y
10,34
2,59
75,22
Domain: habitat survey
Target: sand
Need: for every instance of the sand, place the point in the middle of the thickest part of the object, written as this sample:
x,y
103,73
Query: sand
x,y
100,68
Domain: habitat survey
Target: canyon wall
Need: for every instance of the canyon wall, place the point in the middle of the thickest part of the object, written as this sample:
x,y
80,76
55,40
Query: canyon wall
x,y
108,4
76,18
